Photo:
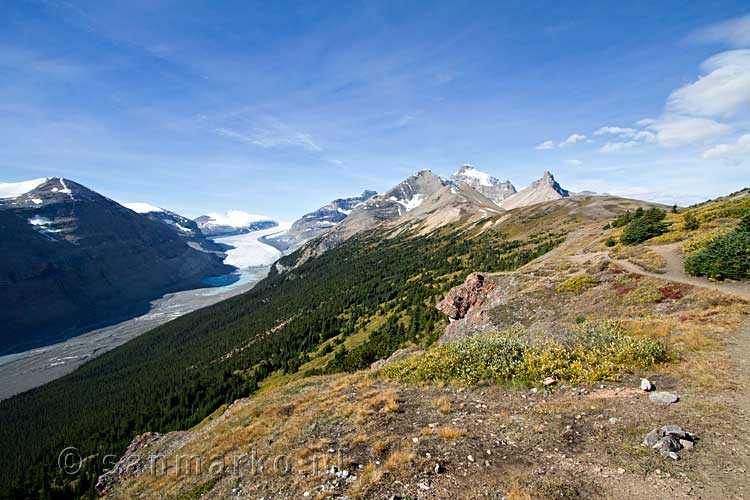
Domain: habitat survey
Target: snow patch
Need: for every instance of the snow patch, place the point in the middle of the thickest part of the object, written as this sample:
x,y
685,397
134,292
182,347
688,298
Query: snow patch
x,y
142,208
42,224
38,220
36,201
65,189
413,203
15,189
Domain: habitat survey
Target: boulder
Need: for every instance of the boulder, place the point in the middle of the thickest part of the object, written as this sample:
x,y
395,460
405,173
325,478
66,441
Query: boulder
x,y
646,385
663,398
463,297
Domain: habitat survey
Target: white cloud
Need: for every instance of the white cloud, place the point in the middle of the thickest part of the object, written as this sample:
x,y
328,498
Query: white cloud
x,y
724,89
572,139
574,162
546,145
735,32
677,131
627,133
612,147
733,153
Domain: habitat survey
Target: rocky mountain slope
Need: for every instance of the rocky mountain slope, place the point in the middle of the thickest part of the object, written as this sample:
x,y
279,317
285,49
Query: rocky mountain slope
x,y
539,191
490,187
73,258
318,222
232,223
421,203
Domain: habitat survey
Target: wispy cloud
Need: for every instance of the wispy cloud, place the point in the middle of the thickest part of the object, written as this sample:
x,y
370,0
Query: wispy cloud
x,y
723,89
272,133
734,32
733,154
546,145
569,141
39,64
614,146
572,139
575,163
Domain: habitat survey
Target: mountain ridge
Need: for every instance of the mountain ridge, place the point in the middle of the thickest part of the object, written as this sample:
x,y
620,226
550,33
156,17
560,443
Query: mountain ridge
x,y
91,258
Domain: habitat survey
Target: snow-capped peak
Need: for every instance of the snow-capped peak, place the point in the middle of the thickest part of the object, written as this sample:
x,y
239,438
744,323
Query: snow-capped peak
x,y
484,179
142,208
15,189
236,218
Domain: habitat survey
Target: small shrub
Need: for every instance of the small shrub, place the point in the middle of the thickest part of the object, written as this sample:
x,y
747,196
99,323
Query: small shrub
x,y
644,294
577,284
611,241
690,223
670,293
644,225
726,257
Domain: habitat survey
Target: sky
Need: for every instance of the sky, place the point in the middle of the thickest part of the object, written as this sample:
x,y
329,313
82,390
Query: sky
x,y
279,107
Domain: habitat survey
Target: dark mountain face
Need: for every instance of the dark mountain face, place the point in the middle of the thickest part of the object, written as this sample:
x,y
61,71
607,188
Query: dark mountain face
x,y
71,258
186,229
313,224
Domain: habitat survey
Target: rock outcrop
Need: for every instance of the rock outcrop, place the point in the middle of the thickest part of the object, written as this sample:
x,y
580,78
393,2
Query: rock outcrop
x,y
147,450
462,298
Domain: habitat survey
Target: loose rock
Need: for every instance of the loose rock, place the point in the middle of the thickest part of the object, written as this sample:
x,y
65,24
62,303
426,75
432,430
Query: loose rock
x,y
663,398
646,385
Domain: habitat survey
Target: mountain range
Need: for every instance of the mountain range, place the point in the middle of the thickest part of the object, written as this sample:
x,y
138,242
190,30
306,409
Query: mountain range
x,y
232,223
96,260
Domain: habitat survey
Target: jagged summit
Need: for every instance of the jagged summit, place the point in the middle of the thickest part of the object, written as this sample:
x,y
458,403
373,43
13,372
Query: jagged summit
x,y
539,191
487,185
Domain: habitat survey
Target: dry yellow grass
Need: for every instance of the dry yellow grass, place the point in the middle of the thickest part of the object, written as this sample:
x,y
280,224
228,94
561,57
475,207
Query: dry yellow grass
x,y
517,492
442,404
391,403
379,447
449,433
359,439
399,461
369,476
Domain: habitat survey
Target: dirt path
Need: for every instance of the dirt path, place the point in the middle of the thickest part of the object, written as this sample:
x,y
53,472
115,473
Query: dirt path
x,y
675,271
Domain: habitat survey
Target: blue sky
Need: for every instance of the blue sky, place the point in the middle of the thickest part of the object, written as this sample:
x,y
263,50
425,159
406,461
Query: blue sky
x,y
278,107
